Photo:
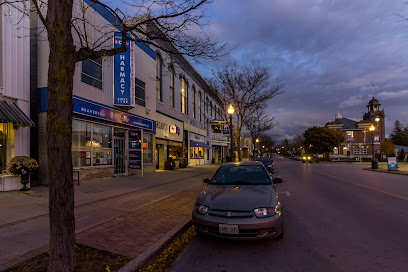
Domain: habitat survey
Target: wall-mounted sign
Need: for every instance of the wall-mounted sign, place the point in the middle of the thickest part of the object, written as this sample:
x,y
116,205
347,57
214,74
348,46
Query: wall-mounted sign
x,y
93,109
174,129
123,74
225,129
135,159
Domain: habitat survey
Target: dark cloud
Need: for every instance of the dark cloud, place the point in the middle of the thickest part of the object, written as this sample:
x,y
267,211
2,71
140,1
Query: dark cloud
x,y
328,53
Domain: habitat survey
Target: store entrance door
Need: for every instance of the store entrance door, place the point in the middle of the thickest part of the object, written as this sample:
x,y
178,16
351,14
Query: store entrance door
x,y
119,155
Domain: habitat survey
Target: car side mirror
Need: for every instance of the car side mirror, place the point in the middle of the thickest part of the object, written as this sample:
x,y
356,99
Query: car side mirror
x,y
206,180
277,180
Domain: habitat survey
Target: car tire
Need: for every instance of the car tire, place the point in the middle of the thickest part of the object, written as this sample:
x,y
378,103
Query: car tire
x,y
303,161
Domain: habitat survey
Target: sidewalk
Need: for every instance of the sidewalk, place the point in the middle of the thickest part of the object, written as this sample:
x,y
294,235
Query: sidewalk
x,y
130,216
383,167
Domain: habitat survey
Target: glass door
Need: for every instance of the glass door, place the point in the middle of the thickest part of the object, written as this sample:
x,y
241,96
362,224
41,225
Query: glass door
x,y
119,155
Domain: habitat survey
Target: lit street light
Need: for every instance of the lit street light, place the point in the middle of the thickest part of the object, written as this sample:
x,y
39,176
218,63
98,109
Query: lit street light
x,y
372,128
230,111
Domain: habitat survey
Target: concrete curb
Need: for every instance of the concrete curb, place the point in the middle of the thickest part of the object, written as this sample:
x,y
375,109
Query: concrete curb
x,y
150,253
397,172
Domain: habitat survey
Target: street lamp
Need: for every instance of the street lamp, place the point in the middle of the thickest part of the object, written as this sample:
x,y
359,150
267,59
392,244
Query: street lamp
x,y
230,111
257,141
372,128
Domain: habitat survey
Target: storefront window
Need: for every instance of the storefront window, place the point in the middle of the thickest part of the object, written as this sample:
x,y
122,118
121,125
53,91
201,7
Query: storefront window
x,y
175,151
91,141
147,148
196,152
6,144
102,145
81,143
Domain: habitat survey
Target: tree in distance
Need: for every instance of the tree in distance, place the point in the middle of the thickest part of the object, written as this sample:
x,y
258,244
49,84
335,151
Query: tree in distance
x,y
321,140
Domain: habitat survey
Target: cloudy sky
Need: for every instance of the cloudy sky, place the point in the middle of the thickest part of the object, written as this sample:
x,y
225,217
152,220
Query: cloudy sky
x,y
328,54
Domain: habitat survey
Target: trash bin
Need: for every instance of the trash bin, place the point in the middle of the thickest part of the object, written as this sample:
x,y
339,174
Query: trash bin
x,y
374,163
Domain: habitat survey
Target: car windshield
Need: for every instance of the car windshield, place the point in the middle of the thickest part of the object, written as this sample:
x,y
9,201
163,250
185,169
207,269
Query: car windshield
x,y
241,175
264,160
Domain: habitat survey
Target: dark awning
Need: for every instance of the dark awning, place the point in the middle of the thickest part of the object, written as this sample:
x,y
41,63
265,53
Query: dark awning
x,y
199,144
11,113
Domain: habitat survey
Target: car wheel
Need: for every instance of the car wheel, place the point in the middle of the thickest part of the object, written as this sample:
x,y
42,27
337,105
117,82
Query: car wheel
x,y
303,161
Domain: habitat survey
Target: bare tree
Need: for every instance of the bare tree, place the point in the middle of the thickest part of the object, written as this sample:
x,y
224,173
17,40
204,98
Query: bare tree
x,y
247,88
74,35
259,122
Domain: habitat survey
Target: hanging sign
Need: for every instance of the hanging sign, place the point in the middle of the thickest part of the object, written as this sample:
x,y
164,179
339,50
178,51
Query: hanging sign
x,y
123,74
225,129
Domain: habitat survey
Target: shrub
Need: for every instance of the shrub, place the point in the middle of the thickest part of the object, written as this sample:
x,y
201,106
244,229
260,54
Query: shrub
x,y
21,165
170,164
183,163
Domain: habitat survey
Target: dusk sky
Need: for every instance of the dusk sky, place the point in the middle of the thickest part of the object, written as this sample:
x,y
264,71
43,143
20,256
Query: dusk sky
x,y
327,53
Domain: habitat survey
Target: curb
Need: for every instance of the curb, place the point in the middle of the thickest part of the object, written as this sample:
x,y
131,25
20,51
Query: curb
x,y
397,172
150,253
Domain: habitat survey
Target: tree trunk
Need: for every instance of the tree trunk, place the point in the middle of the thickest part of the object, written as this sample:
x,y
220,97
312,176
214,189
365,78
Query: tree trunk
x,y
59,139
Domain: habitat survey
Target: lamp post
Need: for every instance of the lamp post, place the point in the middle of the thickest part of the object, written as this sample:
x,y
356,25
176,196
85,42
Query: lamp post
x,y
372,128
230,111
257,143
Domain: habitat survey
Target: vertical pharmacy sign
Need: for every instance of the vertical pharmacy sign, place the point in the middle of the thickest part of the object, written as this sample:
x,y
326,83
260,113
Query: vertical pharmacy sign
x,y
123,74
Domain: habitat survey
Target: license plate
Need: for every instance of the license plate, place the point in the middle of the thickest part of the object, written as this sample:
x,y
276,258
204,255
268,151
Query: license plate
x,y
228,229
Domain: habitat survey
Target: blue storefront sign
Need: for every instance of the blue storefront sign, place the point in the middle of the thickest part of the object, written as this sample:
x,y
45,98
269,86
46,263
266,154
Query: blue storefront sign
x,y
89,108
122,74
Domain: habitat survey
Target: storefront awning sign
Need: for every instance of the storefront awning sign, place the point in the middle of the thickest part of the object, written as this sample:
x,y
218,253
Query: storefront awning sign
x,y
93,109
199,144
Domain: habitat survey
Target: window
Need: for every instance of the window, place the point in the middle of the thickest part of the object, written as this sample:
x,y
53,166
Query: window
x,y
194,102
206,105
91,141
6,144
92,72
147,148
199,106
183,95
349,135
140,92
101,145
196,152
335,151
360,151
159,68
211,109
172,86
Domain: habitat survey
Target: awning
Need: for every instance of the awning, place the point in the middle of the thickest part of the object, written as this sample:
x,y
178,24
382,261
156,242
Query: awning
x,y
11,113
199,144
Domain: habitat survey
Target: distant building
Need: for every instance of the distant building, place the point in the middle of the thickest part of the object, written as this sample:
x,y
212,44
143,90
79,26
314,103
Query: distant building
x,y
358,138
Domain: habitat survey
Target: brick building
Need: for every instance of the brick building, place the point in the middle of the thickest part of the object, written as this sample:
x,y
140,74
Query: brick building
x,y
358,139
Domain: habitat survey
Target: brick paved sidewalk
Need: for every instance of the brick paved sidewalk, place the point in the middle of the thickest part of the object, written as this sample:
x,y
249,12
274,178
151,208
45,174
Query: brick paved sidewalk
x,y
132,234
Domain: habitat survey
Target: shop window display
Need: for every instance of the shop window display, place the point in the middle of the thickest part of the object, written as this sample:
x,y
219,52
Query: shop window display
x,y
147,148
102,145
6,134
196,152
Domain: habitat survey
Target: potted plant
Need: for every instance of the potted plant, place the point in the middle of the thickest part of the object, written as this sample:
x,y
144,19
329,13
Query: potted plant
x,y
170,164
22,166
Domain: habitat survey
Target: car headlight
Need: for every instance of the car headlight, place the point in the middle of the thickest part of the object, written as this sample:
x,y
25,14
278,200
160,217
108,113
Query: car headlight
x,y
308,158
304,158
201,209
264,212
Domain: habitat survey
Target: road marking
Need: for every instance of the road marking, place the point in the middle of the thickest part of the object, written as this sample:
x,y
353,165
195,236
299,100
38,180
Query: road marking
x,y
361,185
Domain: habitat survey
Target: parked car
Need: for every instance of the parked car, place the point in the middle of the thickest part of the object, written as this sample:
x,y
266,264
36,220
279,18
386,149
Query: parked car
x,y
266,161
239,202
309,158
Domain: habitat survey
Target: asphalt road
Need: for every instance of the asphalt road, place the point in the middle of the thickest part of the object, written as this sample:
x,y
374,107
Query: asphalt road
x,y
337,217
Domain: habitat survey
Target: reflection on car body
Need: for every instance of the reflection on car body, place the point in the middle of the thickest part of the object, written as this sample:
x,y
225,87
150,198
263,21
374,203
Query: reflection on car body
x,y
239,202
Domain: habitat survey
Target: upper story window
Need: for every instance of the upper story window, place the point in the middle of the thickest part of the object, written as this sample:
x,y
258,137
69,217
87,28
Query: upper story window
x,y
211,109
92,72
172,86
183,95
350,136
159,72
194,103
140,92
199,106
206,105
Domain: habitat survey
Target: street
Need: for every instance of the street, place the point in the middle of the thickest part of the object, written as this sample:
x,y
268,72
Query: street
x,y
337,217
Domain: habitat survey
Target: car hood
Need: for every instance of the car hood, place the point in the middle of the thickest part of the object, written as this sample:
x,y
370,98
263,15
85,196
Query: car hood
x,y
238,197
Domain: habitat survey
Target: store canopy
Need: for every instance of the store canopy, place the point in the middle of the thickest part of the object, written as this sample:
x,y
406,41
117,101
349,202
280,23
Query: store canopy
x,y
11,113
199,144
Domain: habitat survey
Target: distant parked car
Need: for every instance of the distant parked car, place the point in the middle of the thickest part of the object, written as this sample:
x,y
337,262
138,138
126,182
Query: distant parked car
x,y
266,161
239,202
309,158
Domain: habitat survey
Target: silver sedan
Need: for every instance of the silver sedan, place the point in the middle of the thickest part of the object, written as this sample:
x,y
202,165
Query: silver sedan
x,y
239,202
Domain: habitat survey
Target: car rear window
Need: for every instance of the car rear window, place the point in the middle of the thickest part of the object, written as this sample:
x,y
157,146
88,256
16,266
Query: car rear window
x,y
241,175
